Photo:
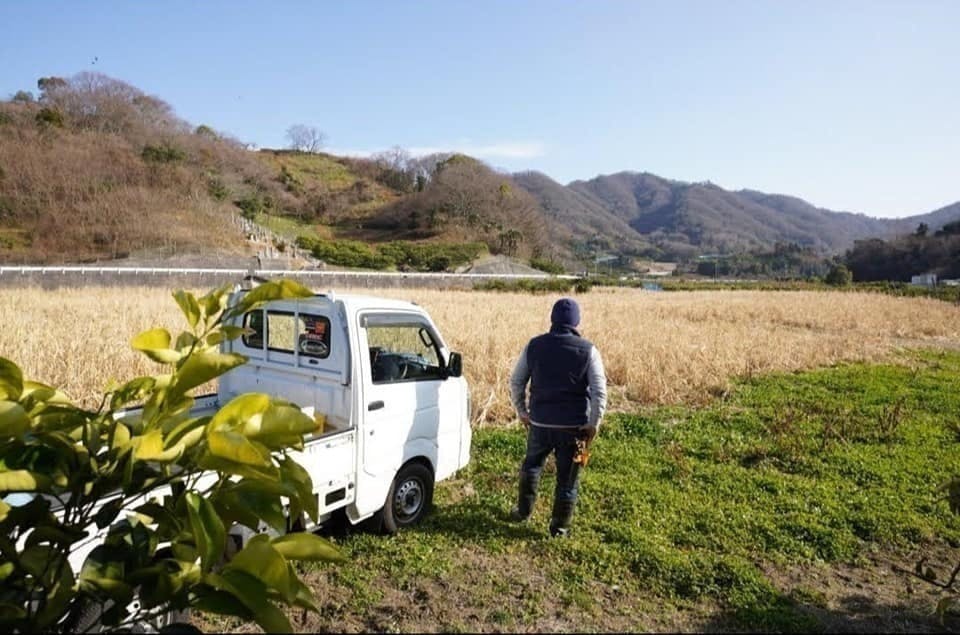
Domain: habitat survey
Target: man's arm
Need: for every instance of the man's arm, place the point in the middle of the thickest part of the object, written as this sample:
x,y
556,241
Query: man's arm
x,y
518,386
597,379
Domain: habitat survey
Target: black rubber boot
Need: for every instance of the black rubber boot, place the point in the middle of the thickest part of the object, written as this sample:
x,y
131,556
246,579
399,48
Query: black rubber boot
x,y
562,517
526,498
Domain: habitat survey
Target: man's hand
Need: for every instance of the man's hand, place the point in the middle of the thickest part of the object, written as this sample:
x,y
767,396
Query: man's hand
x,y
587,433
525,420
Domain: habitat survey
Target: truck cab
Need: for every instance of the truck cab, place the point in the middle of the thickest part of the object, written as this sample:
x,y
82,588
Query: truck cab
x,y
388,395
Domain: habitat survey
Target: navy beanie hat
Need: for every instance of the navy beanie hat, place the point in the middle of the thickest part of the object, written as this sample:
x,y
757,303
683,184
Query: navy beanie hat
x,y
565,313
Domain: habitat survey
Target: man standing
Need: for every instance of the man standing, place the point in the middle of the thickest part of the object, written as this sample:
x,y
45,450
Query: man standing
x,y
568,394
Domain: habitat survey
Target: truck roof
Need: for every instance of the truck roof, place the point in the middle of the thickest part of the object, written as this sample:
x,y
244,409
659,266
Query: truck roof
x,y
352,302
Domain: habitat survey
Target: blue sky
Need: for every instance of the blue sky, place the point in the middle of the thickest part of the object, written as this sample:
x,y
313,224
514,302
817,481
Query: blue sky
x,y
851,105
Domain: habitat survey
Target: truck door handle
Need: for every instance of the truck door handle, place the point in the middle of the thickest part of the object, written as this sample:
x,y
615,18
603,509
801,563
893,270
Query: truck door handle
x,y
375,405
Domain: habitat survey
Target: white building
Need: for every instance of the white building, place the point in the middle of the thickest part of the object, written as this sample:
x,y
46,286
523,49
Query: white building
x,y
924,280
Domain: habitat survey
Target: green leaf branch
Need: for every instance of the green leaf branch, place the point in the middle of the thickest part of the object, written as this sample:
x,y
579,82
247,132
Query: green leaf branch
x,y
157,489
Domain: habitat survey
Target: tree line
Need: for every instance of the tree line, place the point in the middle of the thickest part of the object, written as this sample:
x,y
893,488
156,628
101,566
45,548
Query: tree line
x,y
899,259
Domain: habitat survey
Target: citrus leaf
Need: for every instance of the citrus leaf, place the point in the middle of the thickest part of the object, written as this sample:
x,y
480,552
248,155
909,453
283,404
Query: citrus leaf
x,y
307,546
108,513
200,368
240,410
184,341
292,472
235,447
253,594
261,560
133,390
36,396
152,339
148,446
260,498
214,301
208,531
155,344
11,380
226,466
279,424
269,291
23,481
189,305
121,436
13,419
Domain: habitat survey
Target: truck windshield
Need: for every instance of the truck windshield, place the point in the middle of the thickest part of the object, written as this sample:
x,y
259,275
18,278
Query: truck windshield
x,y
402,353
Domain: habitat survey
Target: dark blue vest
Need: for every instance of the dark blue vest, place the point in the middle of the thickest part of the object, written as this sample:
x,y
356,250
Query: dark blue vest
x,y
559,388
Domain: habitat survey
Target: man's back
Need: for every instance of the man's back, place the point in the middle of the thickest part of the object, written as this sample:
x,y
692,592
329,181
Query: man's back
x,y
559,388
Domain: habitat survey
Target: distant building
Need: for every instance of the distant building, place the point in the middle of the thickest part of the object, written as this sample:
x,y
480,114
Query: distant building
x,y
924,280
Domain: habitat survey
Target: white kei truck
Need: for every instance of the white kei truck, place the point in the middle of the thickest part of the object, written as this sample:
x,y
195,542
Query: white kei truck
x,y
395,406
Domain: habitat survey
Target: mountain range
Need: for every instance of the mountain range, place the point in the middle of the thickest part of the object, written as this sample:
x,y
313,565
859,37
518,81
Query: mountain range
x,y
645,212
95,169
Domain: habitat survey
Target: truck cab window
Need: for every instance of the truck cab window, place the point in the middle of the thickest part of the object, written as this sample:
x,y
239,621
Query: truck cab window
x,y
313,335
308,334
402,353
280,331
254,322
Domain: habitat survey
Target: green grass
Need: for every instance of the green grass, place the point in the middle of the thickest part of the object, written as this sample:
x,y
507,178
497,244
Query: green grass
x,y
684,505
288,227
306,167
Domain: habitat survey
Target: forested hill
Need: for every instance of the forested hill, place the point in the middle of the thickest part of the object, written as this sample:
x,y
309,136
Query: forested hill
x,y
678,220
95,169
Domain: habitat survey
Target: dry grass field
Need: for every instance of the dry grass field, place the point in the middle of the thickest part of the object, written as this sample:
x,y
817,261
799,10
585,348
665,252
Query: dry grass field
x,y
658,348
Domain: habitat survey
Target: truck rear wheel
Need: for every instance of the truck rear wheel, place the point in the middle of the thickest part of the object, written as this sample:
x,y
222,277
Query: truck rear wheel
x,y
409,499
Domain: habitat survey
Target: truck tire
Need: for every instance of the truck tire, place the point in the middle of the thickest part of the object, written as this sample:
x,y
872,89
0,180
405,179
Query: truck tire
x,y
173,622
409,499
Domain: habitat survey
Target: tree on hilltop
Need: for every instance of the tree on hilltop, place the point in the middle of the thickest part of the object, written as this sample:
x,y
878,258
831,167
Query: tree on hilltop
x,y
94,101
305,138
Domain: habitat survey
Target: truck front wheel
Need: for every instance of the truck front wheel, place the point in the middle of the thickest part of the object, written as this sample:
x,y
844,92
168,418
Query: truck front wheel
x,y
410,497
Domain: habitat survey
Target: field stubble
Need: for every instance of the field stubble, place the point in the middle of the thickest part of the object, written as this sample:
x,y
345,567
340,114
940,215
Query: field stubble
x,y
658,348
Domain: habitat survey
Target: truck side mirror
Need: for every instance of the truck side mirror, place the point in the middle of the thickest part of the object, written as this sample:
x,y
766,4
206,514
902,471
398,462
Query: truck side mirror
x,y
455,365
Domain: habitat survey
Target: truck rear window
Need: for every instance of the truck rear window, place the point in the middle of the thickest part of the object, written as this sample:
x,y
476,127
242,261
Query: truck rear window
x,y
308,334
253,321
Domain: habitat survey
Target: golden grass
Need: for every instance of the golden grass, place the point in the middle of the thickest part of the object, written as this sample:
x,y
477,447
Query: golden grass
x,y
658,348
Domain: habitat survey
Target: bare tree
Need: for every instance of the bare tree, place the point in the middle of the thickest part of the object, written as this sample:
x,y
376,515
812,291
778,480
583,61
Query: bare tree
x,y
305,138
395,167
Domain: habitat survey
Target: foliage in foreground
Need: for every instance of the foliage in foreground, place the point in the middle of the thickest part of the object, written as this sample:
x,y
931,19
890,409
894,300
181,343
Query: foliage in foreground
x,y
685,505
156,492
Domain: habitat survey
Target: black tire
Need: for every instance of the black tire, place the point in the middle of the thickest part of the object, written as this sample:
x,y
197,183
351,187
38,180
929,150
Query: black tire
x,y
409,499
176,621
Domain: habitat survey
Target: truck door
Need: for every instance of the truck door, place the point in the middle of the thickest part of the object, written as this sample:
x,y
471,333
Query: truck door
x,y
402,378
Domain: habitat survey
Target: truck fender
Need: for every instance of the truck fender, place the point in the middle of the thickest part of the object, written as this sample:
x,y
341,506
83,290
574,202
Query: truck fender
x,y
373,498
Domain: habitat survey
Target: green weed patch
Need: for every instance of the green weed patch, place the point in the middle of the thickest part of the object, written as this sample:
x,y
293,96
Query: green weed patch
x,y
686,505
